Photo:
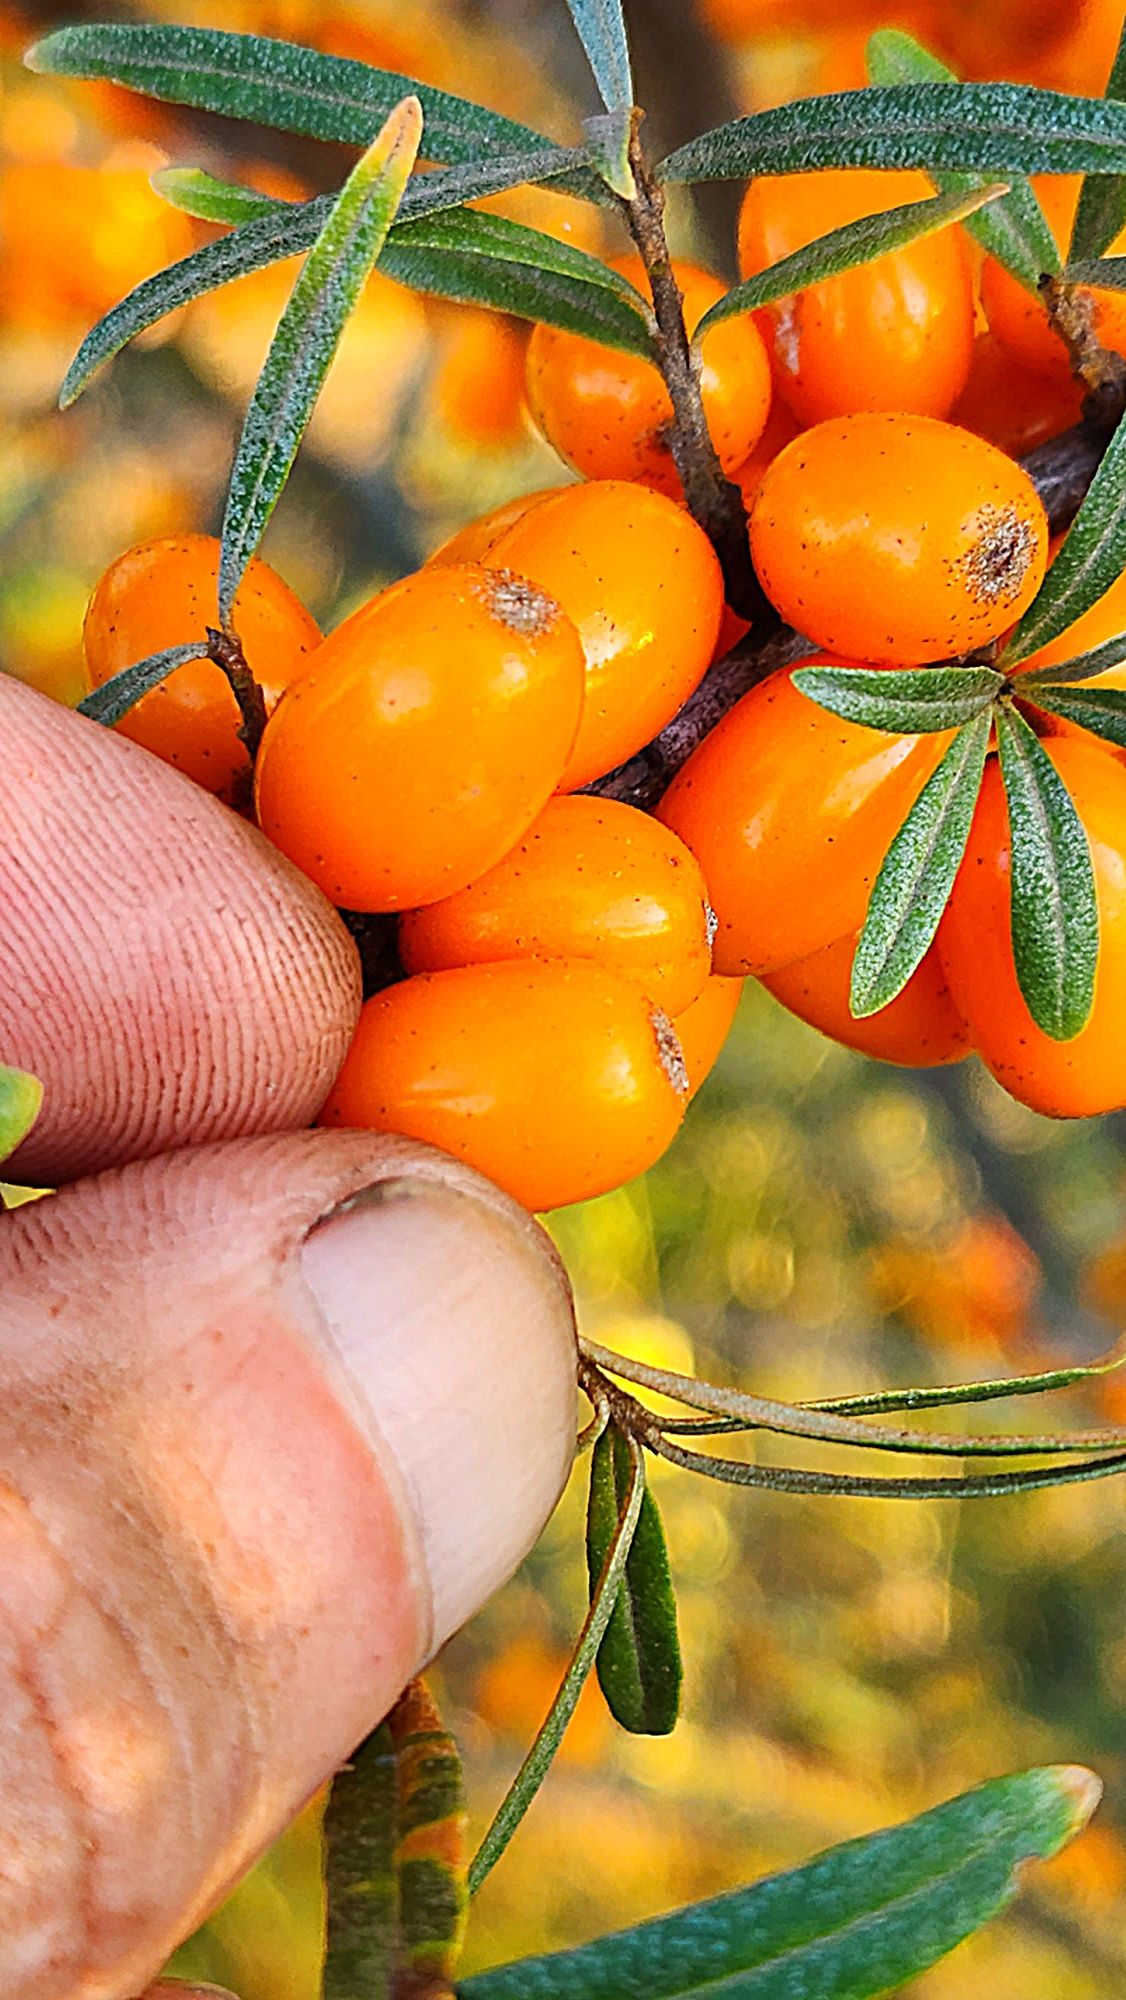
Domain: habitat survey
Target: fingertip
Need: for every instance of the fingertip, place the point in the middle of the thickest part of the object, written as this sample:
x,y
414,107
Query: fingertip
x,y
448,1315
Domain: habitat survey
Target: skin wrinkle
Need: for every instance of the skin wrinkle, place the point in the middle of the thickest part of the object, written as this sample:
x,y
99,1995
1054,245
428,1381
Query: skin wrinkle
x,y
220,995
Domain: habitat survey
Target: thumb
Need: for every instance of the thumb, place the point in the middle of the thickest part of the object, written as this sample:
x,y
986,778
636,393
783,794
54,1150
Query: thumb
x,y
275,1418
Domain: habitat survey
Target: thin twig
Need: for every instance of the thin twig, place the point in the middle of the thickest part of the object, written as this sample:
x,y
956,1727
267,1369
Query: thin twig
x,y
714,501
225,649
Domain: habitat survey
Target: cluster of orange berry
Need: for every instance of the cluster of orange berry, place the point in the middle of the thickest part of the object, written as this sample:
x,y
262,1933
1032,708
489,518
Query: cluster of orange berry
x,y
572,964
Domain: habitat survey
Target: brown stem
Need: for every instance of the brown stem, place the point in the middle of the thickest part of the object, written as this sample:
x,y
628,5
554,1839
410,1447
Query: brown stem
x,y
714,501
1071,309
225,649
1061,471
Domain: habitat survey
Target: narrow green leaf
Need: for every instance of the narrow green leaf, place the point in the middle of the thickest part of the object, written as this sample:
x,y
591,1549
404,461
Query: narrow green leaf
x,y
1104,273
1101,212
917,875
487,260
361,1892
285,229
844,249
846,1486
602,31
1093,557
123,691
268,82
1101,710
1015,230
21,1098
830,1423
917,700
307,337
1083,667
1055,911
538,1761
197,193
639,1666
703,1395
996,128
856,1922
948,1395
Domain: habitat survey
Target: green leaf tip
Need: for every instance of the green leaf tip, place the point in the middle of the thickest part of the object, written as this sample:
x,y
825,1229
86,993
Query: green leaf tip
x,y
196,192
21,1100
302,350
919,700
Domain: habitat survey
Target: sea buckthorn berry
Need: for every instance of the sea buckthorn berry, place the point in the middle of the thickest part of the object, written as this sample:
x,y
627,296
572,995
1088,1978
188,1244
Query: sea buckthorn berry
x,y
896,334
641,583
590,879
921,1027
1020,321
790,811
898,539
429,730
473,542
1010,405
557,1078
781,429
703,1027
1071,1079
608,414
165,593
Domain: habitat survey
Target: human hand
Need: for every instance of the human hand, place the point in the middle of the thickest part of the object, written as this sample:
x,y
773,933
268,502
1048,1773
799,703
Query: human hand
x,y
278,1411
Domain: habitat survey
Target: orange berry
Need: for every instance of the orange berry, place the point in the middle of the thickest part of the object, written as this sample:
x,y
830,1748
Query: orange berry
x,y
896,334
1012,407
920,1027
557,1078
1020,321
703,1027
165,593
608,413
473,542
429,730
478,385
1063,1079
898,539
641,583
781,429
790,811
590,879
